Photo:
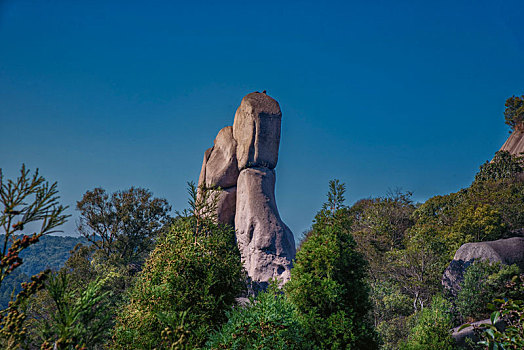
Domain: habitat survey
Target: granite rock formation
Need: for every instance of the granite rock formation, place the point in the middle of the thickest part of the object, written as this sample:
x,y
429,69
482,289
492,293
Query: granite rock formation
x,y
515,142
241,163
506,251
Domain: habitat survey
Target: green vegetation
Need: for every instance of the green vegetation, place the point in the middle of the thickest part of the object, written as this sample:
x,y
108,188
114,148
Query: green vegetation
x,y
365,277
269,322
328,282
484,282
122,226
514,112
26,200
189,282
432,329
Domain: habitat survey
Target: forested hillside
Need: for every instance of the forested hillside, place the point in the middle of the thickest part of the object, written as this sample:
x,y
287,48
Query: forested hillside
x,y
51,252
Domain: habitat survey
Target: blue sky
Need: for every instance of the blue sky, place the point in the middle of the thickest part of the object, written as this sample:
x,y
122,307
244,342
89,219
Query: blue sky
x,y
380,95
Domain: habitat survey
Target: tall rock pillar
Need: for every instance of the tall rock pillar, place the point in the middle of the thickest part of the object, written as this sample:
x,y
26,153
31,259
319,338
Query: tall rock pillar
x,y
266,244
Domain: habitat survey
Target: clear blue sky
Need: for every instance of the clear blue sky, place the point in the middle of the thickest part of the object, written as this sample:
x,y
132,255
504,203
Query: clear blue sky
x,y
379,94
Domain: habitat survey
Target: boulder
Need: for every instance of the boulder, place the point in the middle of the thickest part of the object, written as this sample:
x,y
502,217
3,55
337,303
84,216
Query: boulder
x,y
221,167
256,129
266,244
506,251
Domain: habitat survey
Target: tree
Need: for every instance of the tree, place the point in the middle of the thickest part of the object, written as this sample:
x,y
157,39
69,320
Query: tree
x,y
328,282
514,112
188,283
124,225
24,201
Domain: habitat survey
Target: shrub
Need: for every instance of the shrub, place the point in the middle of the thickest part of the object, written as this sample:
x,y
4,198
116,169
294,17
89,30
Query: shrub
x,y
269,322
483,282
512,311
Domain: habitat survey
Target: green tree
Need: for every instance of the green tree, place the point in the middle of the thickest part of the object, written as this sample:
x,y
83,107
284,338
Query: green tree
x,y
188,283
328,282
122,225
28,200
514,112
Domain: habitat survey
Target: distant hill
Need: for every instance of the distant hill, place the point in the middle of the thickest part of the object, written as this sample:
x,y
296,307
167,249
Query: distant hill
x,y
51,252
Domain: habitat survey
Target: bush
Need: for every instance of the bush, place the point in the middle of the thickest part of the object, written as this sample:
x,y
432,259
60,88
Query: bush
x,y
483,282
328,282
188,284
512,337
269,322
432,330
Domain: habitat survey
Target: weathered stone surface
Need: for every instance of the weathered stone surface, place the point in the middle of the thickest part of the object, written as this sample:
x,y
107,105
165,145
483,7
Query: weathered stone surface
x,y
515,142
507,251
257,131
226,205
266,244
202,177
221,167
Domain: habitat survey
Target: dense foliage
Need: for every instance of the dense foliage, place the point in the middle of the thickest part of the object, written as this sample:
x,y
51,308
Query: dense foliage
x,y
484,282
267,323
122,225
50,252
191,279
514,112
328,282
432,329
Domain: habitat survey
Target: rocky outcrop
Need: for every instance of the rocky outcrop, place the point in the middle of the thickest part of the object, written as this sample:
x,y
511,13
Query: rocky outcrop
x,y
506,251
515,142
241,163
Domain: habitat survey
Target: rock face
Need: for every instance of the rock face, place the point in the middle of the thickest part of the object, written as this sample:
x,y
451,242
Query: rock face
x,y
257,131
265,242
515,142
506,251
221,167
242,163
